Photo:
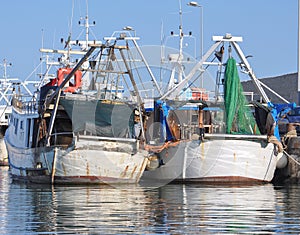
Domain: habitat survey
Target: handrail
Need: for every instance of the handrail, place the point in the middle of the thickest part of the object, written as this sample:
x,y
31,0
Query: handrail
x,y
107,138
25,106
61,133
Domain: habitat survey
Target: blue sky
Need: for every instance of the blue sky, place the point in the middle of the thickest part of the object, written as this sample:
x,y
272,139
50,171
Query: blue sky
x,y
269,27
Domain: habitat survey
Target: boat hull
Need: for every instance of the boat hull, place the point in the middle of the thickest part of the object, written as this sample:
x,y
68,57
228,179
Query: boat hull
x,y
174,159
87,162
231,161
220,160
3,153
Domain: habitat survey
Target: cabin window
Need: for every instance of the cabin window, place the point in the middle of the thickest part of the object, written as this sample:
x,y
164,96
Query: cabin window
x,y
21,125
194,118
28,133
16,125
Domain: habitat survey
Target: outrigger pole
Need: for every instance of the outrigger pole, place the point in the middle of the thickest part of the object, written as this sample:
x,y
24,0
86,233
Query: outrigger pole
x,y
133,39
175,91
147,66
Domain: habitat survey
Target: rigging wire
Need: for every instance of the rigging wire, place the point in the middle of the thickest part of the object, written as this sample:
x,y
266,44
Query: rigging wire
x,y
130,55
194,80
123,77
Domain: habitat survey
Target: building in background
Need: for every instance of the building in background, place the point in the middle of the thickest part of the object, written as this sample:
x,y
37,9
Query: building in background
x,y
284,85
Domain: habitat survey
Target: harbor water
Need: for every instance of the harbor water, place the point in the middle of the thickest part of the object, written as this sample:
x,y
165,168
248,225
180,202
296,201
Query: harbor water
x,y
171,209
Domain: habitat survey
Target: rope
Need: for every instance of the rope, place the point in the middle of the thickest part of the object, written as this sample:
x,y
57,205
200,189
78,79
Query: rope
x,y
298,163
158,149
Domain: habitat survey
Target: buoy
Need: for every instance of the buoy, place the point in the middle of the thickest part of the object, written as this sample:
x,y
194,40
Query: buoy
x,y
281,160
153,163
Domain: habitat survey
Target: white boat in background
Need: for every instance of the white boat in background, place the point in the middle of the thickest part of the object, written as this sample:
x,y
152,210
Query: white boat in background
x,y
79,131
6,91
8,88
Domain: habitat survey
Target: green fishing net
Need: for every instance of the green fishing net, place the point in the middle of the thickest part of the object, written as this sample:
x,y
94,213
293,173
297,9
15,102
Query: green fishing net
x,y
239,118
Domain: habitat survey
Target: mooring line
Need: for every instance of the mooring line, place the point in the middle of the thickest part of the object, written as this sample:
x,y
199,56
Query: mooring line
x,y
298,163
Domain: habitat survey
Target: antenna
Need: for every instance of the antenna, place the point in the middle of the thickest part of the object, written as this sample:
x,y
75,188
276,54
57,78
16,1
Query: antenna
x,y
68,41
180,30
85,22
177,59
5,65
71,23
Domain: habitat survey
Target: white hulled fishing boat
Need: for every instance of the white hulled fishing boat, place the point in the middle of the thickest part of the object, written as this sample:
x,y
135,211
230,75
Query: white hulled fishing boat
x,y
203,138
72,133
8,88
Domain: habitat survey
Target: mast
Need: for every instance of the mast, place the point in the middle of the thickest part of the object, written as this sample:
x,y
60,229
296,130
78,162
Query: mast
x,y
5,65
180,44
177,59
86,24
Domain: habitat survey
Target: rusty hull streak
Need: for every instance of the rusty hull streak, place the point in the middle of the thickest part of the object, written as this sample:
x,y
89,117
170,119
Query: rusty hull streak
x,y
133,172
87,169
82,180
123,174
142,169
64,169
234,156
226,180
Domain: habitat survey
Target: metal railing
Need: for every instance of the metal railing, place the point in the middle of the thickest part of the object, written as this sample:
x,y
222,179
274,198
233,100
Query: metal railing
x,y
28,107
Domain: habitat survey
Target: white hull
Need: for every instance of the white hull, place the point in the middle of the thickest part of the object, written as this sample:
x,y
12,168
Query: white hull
x,y
175,159
5,112
90,161
3,153
231,161
220,160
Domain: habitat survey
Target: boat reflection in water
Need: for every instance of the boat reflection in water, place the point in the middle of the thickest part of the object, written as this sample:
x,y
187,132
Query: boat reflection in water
x,y
172,209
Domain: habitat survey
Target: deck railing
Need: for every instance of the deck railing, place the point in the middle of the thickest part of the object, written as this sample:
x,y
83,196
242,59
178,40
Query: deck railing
x,y
28,107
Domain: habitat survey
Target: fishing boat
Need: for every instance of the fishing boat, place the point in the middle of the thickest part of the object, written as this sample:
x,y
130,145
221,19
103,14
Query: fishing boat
x,y
73,133
220,138
8,87
6,90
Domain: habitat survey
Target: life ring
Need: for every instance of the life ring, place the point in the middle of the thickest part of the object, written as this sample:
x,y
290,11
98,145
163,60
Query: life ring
x,y
61,75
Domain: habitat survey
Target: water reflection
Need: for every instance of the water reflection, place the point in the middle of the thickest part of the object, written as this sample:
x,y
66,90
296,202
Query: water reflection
x,y
172,209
